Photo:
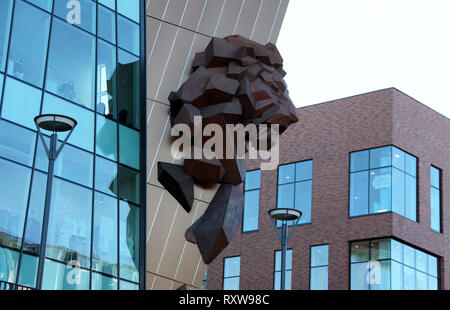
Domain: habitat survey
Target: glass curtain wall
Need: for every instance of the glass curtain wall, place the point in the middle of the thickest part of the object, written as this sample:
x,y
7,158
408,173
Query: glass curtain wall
x,y
388,264
383,179
80,58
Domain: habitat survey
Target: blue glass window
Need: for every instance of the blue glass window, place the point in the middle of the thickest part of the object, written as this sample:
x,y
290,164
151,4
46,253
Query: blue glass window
x,y
128,286
129,8
63,277
5,24
14,187
68,12
129,241
35,213
128,184
103,283
69,230
45,4
83,135
21,103
129,146
106,24
251,200
435,201
277,271
388,185
295,188
28,48
9,260
319,267
128,35
72,163
28,270
106,176
104,255
106,145
231,273
16,143
106,80
109,3
359,193
128,92
388,264
71,65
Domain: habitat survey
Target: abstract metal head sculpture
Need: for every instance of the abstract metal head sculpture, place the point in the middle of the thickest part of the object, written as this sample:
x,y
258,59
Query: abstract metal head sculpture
x,y
235,81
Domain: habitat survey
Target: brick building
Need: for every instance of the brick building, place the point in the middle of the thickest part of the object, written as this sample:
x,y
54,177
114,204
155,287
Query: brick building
x,y
380,186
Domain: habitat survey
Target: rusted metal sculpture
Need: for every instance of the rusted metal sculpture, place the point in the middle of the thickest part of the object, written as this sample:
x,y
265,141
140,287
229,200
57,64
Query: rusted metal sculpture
x,y
234,81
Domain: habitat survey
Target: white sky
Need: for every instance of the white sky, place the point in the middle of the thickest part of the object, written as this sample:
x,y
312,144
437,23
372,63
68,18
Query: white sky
x,y
339,48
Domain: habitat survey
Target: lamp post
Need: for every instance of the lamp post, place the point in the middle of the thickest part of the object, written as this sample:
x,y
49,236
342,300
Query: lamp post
x,y
284,215
53,123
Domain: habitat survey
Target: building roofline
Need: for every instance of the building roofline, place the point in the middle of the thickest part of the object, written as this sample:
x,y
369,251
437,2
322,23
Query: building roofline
x,y
371,92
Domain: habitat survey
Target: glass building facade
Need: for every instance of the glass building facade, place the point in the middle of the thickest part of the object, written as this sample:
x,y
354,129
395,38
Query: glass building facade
x,y
388,264
381,180
82,59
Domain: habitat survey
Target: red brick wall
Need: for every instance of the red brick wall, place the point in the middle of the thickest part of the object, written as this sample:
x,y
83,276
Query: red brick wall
x,y
327,133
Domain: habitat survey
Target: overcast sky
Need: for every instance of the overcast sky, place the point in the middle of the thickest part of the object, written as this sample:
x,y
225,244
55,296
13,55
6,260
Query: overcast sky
x,y
339,48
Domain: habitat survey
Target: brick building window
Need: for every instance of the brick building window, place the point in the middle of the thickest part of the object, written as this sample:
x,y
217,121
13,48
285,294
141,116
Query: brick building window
x,y
251,201
231,273
382,180
387,264
295,188
319,267
435,201
277,271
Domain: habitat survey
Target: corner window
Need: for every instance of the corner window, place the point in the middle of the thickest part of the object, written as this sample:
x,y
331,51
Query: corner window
x,y
231,273
382,180
435,200
388,264
295,188
251,200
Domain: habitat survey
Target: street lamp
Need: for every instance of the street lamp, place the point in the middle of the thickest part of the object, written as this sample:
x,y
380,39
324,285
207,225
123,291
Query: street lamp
x,y
284,215
53,123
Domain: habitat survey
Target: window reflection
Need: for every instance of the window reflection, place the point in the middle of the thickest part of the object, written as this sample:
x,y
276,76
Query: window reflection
x,y
72,163
87,16
21,103
389,184
129,85
104,283
28,46
71,64
128,184
5,23
106,24
319,267
16,143
28,270
9,259
106,176
129,147
35,214
129,8
106,80
129,241
128,35
14,187
83,135
104,255
392,265
69,235
63,277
